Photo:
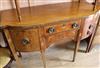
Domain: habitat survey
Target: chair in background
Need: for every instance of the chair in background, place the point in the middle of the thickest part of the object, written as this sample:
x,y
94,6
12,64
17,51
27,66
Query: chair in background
x,y
5,58
5,55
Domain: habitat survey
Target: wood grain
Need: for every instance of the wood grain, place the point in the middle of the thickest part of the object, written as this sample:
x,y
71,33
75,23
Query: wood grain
x,y
46,14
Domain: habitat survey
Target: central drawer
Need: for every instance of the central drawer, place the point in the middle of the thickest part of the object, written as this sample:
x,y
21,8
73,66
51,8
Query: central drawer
x,y
62,30
63,36
62,26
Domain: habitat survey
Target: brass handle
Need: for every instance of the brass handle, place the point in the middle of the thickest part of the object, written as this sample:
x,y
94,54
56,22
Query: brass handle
x,y
51,30
25,41
75,25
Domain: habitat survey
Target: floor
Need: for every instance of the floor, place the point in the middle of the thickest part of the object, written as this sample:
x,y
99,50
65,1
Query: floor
x,y
61,57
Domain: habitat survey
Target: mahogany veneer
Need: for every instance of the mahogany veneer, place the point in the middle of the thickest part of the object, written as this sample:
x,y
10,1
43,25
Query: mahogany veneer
x,y
46,14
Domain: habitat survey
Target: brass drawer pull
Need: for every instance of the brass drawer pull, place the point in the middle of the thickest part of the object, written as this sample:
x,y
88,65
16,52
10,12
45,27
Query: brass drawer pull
x,y
25,41
51,30
75,25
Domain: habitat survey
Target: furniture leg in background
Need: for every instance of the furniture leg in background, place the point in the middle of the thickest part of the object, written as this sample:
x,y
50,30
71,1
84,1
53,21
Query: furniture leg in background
x,y
18,10
91,38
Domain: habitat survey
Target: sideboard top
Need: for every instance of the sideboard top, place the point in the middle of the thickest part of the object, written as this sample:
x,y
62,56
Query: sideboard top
x,y
40,15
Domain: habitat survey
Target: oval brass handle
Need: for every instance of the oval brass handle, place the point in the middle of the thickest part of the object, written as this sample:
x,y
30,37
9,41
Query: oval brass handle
x,y
75,25
25,41
51,30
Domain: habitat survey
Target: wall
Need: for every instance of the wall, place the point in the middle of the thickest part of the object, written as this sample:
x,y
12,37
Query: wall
x,y
8,4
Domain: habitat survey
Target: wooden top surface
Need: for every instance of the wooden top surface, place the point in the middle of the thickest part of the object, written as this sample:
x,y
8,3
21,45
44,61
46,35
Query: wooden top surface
x,y
40,15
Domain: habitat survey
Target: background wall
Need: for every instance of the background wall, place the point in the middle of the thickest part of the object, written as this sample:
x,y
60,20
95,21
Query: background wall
x,y
8,4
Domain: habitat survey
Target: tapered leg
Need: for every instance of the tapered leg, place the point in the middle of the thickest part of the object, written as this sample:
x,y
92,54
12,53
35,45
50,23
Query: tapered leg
x,y
43,58
43,45
76,45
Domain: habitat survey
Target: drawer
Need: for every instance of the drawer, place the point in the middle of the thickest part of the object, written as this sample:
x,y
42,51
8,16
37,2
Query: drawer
x,y
62,26
25,40
63,36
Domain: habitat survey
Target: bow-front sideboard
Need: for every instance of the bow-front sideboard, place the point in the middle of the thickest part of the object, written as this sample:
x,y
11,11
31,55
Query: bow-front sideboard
x,y
35,29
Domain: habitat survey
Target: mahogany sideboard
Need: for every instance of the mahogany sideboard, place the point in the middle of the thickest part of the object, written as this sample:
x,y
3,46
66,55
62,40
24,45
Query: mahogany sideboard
x,y
44,25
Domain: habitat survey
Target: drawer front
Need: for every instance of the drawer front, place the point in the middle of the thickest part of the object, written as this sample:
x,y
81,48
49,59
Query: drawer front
x,y
25,40
63,26
64,36
63,31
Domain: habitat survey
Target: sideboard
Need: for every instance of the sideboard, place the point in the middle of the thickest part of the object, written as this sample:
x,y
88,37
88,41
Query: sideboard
x,y
40,26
